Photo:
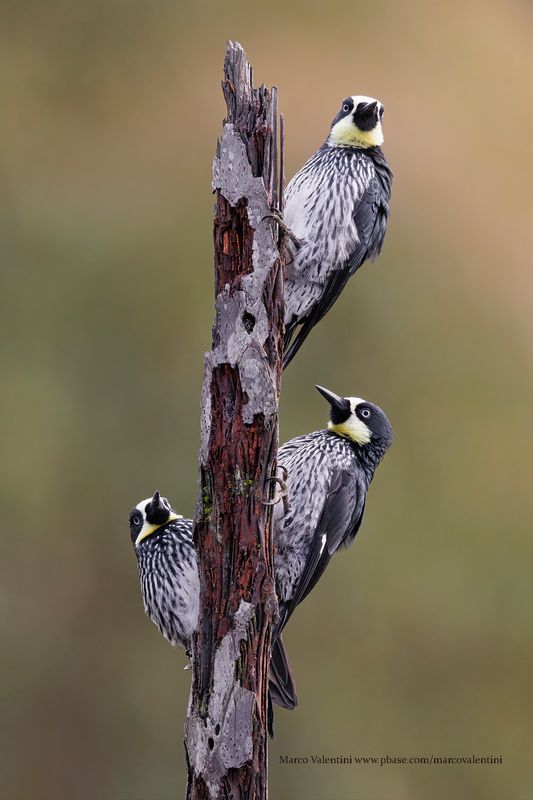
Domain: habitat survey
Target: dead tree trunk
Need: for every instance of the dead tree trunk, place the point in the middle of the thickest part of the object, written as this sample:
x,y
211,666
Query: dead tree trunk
x,y
225,732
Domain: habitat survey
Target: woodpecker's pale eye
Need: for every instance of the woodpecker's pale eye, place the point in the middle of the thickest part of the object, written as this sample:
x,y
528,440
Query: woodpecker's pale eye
x,y
135,520
346,107
365,413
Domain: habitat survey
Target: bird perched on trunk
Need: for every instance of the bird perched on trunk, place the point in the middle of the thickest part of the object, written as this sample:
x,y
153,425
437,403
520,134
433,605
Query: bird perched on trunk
x,y
328,475
168,568
170,585
329,472
336,211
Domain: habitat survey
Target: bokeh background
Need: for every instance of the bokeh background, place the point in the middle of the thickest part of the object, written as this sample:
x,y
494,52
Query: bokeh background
x,y
418,640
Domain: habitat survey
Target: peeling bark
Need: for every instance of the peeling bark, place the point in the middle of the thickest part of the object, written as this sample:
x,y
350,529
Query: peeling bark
x,y
225,731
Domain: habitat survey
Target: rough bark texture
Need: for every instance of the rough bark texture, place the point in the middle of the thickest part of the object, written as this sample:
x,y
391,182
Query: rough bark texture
x,y
225,732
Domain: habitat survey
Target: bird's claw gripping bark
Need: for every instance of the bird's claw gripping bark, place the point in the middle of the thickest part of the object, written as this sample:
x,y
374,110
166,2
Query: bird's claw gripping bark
x,y
283,490
277,216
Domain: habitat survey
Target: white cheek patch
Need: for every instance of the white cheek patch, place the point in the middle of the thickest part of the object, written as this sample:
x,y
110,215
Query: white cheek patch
x,y
356,430
344,131
359,430
375,137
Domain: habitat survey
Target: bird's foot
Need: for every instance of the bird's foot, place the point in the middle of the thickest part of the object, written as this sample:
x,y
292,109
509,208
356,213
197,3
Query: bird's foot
x,y
187,667
277,216
283,490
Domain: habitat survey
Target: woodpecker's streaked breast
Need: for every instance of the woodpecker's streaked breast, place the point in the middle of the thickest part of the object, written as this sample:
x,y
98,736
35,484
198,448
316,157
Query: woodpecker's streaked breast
x,y
319,209
169,581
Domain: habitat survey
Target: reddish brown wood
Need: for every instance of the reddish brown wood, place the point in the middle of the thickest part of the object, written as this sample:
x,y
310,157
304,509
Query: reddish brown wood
x,y
226,736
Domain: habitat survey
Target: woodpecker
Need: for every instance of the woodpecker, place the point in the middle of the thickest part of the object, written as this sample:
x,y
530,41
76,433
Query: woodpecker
x,y
168,568
170,585
329,472
336,211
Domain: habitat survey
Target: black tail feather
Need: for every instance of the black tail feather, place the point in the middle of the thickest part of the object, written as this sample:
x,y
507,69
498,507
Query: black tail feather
x,y
281,685
270,716
292,347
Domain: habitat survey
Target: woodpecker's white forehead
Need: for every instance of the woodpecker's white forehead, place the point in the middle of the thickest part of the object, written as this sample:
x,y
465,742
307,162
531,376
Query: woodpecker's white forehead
x,y
362,98
354,402
142,505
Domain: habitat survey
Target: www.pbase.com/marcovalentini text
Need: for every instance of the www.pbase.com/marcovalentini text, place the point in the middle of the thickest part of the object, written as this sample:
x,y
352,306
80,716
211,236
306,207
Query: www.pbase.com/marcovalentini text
x,y
383,761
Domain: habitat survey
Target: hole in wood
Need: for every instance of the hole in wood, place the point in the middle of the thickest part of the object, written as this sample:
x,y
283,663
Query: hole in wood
x,y
248,321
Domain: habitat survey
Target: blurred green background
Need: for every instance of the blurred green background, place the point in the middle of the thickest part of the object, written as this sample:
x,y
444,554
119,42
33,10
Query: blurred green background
x,y
417,641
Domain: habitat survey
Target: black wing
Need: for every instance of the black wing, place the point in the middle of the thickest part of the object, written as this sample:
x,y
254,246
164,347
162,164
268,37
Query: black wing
x,y
338,524
370,218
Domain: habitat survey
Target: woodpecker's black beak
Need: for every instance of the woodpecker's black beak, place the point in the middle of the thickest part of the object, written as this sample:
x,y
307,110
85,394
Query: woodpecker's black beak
x,y
371,112
340,406
156,513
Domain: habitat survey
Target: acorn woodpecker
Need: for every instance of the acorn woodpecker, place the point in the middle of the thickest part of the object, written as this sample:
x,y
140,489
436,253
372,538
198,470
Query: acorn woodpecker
x,y
329,472
336,211
167,568
170,586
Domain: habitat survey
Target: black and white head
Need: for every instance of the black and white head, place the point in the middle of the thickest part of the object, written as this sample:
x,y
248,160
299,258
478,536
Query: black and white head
x,y
358,123
358,420
149,516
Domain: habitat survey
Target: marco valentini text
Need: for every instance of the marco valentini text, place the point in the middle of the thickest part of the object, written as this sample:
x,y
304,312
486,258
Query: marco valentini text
x,y
383,761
